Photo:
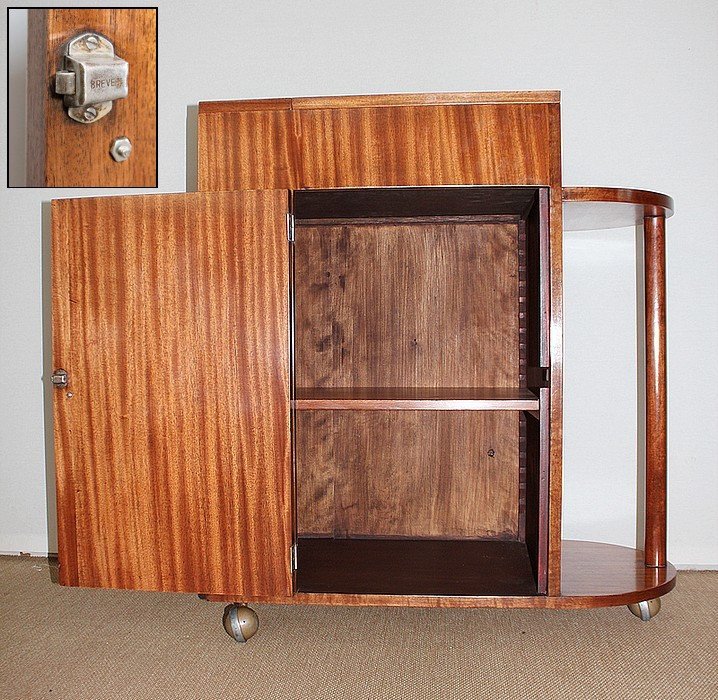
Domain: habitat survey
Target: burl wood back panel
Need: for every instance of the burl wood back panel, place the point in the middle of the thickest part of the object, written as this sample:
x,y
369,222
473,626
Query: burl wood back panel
x,y
444,474
64,153
170,313
422,303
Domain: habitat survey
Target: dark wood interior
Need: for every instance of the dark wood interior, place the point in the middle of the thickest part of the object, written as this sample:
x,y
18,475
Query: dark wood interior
x,y
417,343
422,567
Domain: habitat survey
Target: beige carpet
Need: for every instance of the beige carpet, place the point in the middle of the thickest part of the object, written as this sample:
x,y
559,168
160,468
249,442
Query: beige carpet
x,y
75,643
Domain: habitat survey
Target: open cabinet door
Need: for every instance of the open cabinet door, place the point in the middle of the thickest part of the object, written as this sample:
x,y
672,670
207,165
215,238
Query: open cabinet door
x,y
171,318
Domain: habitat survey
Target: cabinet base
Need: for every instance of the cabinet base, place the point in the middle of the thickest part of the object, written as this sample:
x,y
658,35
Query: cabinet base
x,y
594,575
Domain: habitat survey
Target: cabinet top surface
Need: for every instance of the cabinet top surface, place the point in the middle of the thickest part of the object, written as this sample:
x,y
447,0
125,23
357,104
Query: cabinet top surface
x,y
393,100
589,208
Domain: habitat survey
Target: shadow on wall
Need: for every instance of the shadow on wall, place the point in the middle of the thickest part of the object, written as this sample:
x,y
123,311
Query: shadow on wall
x,y
191,165
47,369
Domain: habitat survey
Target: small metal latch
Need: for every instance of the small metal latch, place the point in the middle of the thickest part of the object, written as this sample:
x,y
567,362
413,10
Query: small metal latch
x,y
59,378
91,77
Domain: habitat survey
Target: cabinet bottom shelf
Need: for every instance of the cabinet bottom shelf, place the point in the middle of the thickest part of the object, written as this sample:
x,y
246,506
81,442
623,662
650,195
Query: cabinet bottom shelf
x,y
593,575
414,567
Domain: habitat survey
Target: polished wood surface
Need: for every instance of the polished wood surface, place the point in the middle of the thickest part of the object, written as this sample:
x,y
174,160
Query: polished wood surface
x,y
430,304
551,214
446,474
490,144
656,390
386,100
417,567
247,150
64,153
343,143
594,575
606,207
386,141
588,208
415,398
170,313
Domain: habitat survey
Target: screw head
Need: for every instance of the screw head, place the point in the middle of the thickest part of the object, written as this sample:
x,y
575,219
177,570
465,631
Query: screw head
x,y
92,42
90,114
121,148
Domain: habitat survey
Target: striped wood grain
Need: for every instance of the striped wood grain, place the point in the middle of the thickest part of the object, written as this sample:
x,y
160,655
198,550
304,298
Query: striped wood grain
x,y
170,313
498,144
64,153
347,141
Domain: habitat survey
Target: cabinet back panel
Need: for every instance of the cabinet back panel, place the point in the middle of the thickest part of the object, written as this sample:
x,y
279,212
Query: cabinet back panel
x,y
408,473
410,304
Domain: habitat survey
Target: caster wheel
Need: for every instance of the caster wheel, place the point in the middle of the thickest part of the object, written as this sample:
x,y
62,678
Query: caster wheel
x,y
240,622
646,609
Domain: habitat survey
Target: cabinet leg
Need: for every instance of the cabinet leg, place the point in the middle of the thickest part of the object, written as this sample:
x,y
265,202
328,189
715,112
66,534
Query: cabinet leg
x,y
240,622
646,609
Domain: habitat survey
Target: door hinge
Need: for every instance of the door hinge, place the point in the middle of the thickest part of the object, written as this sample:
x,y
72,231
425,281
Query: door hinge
x,y
290,228
293,555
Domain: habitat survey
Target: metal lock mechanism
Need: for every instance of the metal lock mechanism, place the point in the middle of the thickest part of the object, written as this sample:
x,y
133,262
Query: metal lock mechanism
x,y
91,77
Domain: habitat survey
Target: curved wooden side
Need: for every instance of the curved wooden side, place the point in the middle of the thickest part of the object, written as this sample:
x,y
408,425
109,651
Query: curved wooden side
x,y
588,208
593,575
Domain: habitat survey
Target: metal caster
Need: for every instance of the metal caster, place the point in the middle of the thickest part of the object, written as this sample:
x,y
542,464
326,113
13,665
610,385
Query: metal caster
x,y
240,622
646,609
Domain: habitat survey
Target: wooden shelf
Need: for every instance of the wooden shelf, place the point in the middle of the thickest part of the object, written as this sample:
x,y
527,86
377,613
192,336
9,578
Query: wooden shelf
x,y
414,567
590,208
593,575
416,398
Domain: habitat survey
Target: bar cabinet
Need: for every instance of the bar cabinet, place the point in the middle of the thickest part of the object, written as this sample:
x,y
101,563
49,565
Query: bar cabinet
x,y
334,374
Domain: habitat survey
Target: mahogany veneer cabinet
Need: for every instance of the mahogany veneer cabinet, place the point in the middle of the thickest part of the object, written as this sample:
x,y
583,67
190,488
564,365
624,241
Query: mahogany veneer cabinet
x,y
334,374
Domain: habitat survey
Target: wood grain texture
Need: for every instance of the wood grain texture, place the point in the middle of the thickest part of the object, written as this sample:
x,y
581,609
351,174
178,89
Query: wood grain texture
x,y
385,100
461,144
490,144
415,398
248,150
406,305
277,144
65,153
408,473
551,214
589,208
654,228
594,575
170,313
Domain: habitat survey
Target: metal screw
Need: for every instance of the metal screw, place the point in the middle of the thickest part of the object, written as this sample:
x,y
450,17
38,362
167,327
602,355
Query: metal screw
x,y
92,42
90,114
121,148
491,453
69,394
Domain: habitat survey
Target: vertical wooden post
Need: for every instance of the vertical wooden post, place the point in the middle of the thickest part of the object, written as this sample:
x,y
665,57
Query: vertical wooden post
x,y
654,228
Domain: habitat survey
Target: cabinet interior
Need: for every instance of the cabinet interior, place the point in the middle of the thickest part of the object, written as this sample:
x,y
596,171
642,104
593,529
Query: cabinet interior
x,y
419,359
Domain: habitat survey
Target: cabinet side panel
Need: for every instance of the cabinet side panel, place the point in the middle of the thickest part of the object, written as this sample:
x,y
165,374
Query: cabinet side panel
x,y
424,145
245,150
174,468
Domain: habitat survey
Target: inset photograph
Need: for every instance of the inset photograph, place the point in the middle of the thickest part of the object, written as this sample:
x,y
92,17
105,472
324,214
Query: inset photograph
x,y
82,97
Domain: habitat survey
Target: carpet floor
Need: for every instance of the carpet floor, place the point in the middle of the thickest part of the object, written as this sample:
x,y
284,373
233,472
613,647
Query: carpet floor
x,y
68,643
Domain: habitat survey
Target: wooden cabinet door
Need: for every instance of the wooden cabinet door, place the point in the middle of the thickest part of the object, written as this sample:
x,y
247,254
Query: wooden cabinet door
x,y
171,317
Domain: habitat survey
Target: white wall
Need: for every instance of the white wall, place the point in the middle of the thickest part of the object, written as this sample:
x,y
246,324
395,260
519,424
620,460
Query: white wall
x,y
639,84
